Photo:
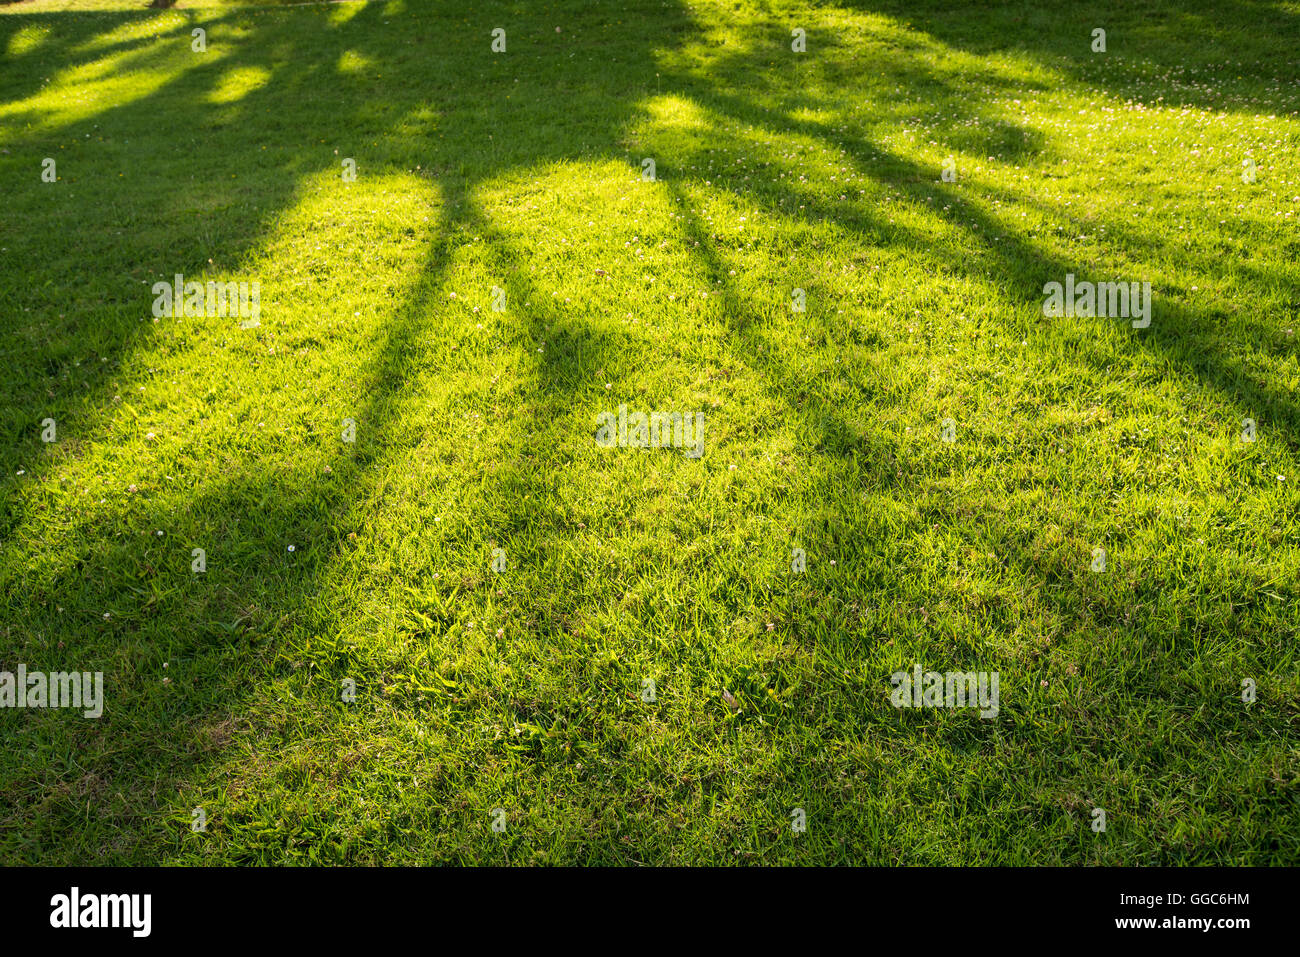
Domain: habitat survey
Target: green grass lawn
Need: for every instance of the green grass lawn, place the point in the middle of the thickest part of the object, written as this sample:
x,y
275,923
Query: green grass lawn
x,y
475,432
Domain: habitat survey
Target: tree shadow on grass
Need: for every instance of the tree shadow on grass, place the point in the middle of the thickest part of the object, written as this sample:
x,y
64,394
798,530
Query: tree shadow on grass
x,y
229,637
240,640
1186,336
1229,54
